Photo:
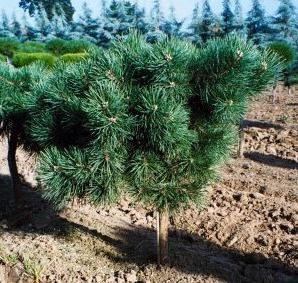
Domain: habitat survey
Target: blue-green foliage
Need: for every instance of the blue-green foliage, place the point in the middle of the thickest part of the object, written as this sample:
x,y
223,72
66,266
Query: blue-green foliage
x,y
285,23
257,25
228,17
154,119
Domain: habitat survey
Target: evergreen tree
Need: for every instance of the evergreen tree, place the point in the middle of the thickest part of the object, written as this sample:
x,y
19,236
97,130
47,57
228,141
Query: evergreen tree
x,y
43,25
194,32
4,25
15,27
257,25
209,26
239,21
51,7
156,15
88,26
172,26
118,19
28,31
228,18
156,120
59,24
285,22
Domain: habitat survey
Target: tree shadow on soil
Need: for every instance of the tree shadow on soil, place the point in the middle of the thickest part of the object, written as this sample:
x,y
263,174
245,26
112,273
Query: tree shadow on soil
x,y
137,245
260,124
271,160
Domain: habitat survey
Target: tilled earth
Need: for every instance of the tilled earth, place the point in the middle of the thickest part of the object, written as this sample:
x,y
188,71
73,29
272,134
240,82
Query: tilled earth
x,y
247,232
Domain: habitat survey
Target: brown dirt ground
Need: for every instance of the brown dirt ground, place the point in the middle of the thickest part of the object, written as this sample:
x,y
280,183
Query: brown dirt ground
x,y
246,233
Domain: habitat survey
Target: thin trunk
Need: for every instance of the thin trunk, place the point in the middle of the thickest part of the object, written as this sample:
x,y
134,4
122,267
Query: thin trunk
x,y
162,237
274,94
15,180
240,140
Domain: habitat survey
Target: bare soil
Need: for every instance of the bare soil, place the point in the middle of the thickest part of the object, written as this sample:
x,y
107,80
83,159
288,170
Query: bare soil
x,y
247,232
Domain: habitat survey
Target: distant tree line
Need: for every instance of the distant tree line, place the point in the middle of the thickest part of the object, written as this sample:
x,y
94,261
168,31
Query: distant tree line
x,y
54,19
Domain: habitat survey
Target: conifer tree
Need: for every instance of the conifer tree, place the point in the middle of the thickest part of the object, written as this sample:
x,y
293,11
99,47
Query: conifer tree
x,y
228,18
43,25
156,120
172,26
257,25
15,27
239,21
28,31
209,25
4,25
194,31
285,22
88,26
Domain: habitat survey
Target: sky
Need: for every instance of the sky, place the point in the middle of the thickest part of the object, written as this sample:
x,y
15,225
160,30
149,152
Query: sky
x,y
183,7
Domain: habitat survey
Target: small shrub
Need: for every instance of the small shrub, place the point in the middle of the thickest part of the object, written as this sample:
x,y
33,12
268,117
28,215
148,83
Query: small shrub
x,y
73,57
32,47
24,59
8,46
61,47
55,46
284,50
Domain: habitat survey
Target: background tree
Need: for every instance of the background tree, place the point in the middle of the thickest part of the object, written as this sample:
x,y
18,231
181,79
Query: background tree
x,y
239,21
88,26
228,18
257,25
208,27
4,25
51,7
194,31
285,22
15,27
172,26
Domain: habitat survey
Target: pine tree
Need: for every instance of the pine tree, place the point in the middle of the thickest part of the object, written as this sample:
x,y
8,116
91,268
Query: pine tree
x,y
156,15
285,22
156,120
51,7
228,18
4,25
118,19
209,26
43,25
257,25
28,31
172,26
15,27
194,32
239,21
88,26
59,24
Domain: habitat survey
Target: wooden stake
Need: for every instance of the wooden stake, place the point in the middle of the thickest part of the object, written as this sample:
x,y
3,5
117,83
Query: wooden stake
x,y
12,148
241,140
162,237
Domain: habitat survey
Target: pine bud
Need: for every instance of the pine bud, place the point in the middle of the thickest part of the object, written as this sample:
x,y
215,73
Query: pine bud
x,y
239,54
105,104
110,75
168,57
231,102
265,65
155,107
107,157
113,120
172,84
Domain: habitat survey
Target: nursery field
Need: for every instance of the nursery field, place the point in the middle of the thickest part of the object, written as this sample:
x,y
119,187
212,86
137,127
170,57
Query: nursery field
x,y
247,232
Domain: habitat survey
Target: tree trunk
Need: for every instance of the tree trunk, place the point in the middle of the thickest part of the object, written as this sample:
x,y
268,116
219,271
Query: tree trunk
x,y
163,236
274,94
15,180
240,140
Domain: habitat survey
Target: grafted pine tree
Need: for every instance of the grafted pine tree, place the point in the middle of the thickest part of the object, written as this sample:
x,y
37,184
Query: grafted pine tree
x,y
15,94
154,120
